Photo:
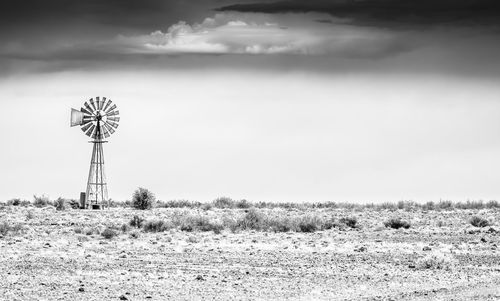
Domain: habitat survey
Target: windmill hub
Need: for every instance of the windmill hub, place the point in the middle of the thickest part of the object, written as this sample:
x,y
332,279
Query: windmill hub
x,y
98,119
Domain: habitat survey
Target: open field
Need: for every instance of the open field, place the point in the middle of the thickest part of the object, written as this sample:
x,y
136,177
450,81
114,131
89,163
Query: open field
x,y
223,254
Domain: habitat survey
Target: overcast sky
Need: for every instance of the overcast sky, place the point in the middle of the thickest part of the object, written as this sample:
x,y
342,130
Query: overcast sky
x,y
339,100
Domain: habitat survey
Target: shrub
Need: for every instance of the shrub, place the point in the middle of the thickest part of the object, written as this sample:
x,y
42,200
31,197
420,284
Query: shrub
x,y
30,215
349,221
396,223
60,204
6,228
445,205
193,239
74,204
136,221
471,205
41,201
438,261
401,205
280,224
387,206
309,224
14,202
109,233
493,204
143,199
118,204
331,223
124,228
25,203
199,223
480,222
224,202
178,204
206,206
243,204
429,206
253,219
156,226
134,234
230,223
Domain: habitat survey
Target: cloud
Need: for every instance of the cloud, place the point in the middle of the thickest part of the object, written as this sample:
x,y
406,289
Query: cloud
x,y
234,33
387,12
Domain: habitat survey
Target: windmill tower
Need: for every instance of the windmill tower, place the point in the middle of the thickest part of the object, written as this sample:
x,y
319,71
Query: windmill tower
x,y
98,119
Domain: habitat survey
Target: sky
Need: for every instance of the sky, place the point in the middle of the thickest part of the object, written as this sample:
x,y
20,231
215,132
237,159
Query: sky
x,y
339,100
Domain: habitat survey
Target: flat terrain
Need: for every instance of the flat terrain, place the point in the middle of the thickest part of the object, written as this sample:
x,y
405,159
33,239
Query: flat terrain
x,y
59,255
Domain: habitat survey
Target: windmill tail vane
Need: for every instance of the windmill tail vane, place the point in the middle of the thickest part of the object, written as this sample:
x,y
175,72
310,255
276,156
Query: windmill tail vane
x,y
98,119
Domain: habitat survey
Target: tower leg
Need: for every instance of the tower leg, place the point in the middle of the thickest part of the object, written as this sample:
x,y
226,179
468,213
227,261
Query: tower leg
x,y
97,192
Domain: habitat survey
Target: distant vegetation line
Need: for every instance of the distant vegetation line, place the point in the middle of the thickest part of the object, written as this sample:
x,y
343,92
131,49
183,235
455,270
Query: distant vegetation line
x,y
228,203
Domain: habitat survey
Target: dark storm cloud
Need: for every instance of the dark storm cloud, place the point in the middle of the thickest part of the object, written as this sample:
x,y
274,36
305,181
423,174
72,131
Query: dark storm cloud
x,y
55,35
144,13
373,12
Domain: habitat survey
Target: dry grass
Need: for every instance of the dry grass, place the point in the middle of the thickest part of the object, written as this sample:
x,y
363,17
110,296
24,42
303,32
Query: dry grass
x,y
144,199
252,219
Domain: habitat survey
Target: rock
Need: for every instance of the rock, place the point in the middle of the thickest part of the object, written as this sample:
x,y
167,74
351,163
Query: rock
x,y
122,297
81,289
200,278
491,230
483,239
426,248
360,249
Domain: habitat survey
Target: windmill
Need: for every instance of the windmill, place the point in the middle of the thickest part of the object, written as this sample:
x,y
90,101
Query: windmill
x,y
98,119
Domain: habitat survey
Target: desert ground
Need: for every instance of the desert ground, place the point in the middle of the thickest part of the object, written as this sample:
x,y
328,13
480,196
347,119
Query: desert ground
x,y
48,254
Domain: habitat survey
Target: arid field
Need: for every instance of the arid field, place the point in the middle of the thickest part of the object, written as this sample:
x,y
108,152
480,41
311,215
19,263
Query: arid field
x,y
208,253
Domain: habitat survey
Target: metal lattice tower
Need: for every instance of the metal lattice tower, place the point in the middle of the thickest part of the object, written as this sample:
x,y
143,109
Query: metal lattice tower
x,y
98,120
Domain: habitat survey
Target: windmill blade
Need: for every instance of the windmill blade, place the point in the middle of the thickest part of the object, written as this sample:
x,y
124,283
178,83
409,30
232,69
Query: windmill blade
x,y
111,109
93,105
114,113
89,108
98,103
112,124
90,130
76,117
95,133
85,111
104,131
103,102
86,127
109,128
107,105
115,119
